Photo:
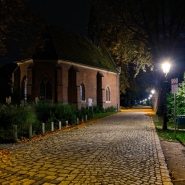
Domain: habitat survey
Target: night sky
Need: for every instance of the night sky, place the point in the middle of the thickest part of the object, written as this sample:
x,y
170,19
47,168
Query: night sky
x,y
70,14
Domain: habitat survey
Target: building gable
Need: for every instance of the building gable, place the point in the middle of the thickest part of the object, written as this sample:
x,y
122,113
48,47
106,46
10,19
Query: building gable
x,y
60,44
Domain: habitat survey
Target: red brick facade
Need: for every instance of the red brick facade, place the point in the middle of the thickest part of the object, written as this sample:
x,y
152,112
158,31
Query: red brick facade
x,y
62,82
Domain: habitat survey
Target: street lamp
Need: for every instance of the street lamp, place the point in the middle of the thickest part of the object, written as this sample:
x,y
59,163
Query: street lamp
x,y
152,91
166,68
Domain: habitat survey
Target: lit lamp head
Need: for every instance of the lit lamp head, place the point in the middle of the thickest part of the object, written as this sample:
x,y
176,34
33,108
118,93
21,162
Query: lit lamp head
x,y
152,91
166,68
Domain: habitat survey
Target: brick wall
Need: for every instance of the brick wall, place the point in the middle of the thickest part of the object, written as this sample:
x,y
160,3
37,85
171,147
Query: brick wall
x,y
39,70
88,77
58,75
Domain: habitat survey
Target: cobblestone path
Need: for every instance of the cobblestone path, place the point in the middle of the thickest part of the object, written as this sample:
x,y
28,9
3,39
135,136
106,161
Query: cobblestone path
x,y
118,150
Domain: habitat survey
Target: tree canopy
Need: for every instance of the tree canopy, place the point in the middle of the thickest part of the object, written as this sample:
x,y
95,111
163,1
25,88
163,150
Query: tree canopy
x,y
141,32
160,24
17,26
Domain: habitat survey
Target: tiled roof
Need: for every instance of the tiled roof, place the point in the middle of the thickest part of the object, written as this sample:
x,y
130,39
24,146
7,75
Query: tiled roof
x,y
67,45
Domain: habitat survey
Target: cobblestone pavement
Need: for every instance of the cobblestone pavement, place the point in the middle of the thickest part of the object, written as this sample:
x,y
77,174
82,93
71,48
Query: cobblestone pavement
x,y
118,150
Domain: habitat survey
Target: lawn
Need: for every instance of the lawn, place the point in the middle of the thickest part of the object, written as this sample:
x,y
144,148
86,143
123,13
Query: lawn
x,y
102,115
168,134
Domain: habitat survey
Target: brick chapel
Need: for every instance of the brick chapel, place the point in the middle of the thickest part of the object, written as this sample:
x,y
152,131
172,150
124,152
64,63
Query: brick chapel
x,y
68,68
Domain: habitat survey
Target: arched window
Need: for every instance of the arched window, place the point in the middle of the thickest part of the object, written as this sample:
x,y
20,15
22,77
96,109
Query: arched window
x,y
24,88
45,88
107,94
82,92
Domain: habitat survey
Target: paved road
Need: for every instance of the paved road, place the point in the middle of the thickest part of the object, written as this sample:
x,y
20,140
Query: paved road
x,y
118,150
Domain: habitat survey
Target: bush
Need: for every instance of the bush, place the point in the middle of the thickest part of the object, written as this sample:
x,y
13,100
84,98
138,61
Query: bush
x,y
83,112
111,109
43,111
65,113
21,116
180,102
24,115
48,113
97,109
4,119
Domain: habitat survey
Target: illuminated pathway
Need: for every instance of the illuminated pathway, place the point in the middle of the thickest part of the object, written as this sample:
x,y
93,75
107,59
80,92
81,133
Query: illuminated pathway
x,y
122,149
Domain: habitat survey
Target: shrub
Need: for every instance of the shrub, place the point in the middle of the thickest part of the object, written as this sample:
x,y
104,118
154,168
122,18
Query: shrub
x,y
83,112
111,109
97,109
102,110
4,122
21,116
180,102
24,115
6,131
65,113
48,113
43,111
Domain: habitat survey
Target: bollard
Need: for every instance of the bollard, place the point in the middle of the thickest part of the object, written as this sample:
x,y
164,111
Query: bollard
x,y
82,119
43,128
52,126
77,120
30,131
59,125
15,133
66,123
92,112
85,117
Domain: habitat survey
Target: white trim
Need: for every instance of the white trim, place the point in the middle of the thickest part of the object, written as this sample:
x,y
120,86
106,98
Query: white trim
x,y
70,63
84,66
26,61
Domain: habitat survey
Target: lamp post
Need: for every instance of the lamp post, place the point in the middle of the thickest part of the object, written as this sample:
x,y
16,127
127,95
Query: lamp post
x,y
166,68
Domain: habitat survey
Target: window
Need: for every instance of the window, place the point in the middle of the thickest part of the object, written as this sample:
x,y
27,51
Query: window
x,y
45,88
82,92
107,94
24,88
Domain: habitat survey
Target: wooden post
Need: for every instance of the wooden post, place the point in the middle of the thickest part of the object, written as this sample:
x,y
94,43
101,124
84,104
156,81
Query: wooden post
x,y
43,128
30,131
15,138
66,123
85,117
52,126
60,125
77,121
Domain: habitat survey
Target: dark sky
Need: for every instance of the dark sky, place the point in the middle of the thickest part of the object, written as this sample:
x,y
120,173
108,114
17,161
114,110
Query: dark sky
x,y
70,14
